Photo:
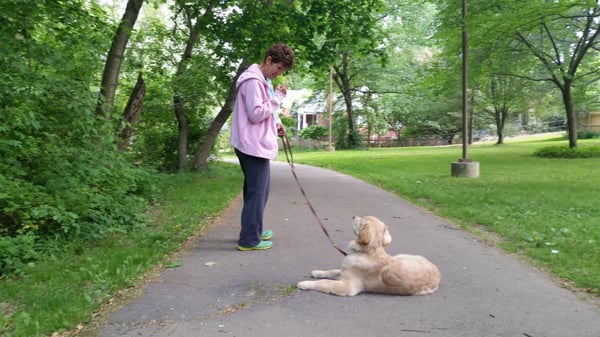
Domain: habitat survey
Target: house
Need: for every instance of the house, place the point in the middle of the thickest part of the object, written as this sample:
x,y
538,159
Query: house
x,y
590,122
307,108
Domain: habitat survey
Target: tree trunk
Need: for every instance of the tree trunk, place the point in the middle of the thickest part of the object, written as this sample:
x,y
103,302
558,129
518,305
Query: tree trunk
x,y
112,66
183,127
500,134
178,102
571,117
500,119
348,100
502,125
343,82
207,143
132,112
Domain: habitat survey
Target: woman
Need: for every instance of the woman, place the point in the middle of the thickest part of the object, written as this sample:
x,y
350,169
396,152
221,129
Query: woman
x,y
254,128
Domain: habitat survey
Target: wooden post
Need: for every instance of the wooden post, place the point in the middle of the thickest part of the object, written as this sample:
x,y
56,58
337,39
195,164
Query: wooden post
x,y
330,107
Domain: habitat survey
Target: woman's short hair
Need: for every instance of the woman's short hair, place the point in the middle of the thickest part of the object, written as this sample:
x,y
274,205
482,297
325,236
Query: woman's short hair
x,y
281,53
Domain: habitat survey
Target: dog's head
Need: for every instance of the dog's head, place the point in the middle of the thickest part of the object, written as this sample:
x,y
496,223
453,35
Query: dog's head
x,y
370,232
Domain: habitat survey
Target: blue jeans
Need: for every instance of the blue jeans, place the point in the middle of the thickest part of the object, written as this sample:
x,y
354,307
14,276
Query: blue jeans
x,y
257,180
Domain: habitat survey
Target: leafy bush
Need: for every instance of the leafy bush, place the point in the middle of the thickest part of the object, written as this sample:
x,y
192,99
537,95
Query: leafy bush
x,y
288,122
566,152
79,197
17,251
60,173
588,134
314,132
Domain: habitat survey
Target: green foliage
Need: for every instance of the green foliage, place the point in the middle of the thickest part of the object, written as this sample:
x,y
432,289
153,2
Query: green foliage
x,y
75,196
565,152
288,122
340,130
345,37
588,134
60,174
17,251
157,146
345,139
314,132
332,27
515,44
71,280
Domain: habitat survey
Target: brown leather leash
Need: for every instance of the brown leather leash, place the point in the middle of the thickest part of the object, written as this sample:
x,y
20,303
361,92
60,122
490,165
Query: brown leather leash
x,y
290,159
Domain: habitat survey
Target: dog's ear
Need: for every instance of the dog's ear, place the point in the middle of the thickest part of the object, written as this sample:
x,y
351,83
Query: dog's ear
x,y
365,236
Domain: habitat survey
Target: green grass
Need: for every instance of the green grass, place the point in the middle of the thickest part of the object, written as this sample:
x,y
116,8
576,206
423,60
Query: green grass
x,y
545,209
74,279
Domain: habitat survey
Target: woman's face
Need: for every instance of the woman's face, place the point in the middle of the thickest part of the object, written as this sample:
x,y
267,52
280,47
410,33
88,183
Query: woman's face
x,y
271,70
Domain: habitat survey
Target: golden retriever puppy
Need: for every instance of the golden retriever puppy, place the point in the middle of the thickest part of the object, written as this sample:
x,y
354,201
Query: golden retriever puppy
x,y
368,268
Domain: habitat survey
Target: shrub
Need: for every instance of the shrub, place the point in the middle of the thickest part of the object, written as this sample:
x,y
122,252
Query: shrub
x,y
566,152
17,251
71,193
588,134
314,132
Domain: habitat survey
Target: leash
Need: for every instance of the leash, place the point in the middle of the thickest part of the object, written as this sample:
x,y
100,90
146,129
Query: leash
x,y
290,159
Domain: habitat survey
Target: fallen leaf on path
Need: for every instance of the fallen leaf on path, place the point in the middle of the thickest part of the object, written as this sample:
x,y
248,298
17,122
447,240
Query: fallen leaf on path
x,y
173,264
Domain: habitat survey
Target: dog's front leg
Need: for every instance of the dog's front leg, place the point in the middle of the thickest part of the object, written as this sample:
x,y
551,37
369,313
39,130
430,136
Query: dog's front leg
x,y
335,287
332,273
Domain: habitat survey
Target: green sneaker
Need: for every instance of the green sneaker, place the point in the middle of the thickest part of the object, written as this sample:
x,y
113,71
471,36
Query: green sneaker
x,y
260,246
266,235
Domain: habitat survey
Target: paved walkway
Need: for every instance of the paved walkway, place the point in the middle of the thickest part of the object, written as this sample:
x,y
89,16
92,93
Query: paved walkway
x,y
222,292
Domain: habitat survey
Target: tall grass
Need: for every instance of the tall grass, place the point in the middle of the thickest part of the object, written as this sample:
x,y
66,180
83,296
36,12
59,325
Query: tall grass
x,y
545,209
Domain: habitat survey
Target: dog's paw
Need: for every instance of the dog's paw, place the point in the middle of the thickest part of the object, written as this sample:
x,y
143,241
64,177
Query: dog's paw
x,y
304,285
331,274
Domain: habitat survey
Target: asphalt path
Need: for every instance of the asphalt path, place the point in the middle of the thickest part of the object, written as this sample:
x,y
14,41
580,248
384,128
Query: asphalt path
x,y
219,291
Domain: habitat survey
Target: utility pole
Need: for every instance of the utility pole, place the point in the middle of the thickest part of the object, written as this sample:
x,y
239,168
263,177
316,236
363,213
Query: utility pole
x,y
330,108
465,167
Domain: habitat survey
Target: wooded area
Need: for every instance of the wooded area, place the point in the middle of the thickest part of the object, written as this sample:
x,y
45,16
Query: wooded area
x,y
99,97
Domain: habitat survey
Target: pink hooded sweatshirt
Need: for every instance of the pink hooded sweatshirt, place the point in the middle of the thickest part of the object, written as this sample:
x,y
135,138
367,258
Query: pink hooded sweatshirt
x,y
253,129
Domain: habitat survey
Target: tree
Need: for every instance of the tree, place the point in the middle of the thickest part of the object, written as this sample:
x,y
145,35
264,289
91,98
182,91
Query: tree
x,y
114,58
230,37
313,28
555,39
499,96
341,34
399,85
54,179
375,118
564,39
132,113
439,113
201,158
195,18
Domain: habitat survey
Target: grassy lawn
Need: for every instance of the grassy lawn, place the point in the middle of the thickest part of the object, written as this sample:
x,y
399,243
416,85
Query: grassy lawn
x,y
547,210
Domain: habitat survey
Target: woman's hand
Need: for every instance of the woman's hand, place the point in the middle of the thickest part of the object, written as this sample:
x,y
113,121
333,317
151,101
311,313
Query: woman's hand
x,y
280,130
283,87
